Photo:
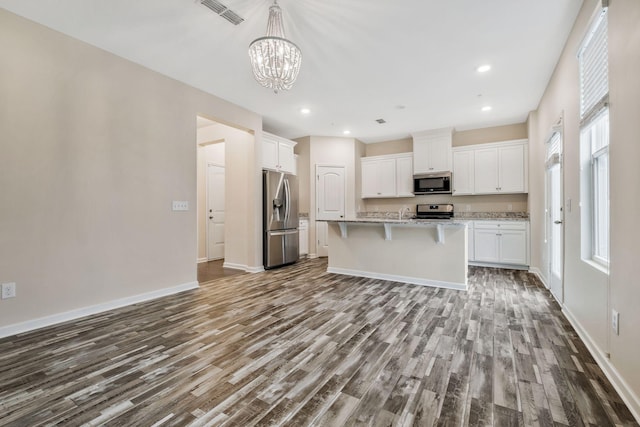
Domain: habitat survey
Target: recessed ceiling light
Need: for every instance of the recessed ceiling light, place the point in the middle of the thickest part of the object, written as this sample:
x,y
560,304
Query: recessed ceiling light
x,y
483,68
346,132
486,108
305,110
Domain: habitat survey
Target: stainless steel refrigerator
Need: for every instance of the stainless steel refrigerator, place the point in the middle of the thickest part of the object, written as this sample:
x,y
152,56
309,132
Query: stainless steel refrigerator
x,y
280,218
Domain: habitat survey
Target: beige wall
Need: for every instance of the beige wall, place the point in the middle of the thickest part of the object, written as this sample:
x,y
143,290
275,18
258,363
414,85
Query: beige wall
x,y
490,134
302,149
93,149
331,151
389,147
213,142
490,203
589,294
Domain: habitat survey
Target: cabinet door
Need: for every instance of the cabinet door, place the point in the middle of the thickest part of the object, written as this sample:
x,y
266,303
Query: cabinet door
x,y
513,247
420,156
370,179
486,171
404,177
486,245
471,241
439,156
463,172
387,173
286,159
322,236
511,169
269,152
303,230
379,178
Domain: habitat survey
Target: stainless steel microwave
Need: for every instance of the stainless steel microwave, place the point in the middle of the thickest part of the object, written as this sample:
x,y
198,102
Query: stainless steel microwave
x,y
432,183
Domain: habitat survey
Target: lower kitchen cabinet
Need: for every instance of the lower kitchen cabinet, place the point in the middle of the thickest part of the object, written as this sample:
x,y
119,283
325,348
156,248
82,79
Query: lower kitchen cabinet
x,y
303,233
471,238
501,242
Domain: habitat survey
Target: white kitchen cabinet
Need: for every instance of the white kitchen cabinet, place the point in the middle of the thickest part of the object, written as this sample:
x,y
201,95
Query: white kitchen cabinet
x,y
387,176
501,169
496,168
501,242
463,183
277,153
512,168
470,242
432,151
404,176
303,233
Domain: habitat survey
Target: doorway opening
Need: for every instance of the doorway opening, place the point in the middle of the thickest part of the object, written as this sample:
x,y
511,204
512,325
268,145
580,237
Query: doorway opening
x,y
555,215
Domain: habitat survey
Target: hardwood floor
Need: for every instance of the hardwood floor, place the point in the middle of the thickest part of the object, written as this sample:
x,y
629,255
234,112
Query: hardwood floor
x,y
212,270
298,346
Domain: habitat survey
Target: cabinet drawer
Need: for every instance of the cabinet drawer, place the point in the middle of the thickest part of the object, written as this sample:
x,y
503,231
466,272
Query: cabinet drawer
x,y
501,225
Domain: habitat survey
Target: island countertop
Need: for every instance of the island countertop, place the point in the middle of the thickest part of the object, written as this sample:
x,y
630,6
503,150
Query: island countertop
x,y
410,221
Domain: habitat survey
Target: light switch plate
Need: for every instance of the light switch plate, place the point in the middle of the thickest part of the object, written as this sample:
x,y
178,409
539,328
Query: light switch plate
x,y
180,205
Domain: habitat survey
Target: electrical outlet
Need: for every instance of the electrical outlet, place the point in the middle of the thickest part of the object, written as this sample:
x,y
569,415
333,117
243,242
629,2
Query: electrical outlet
x,y
467,207
8,290
509,207
615,322
180,205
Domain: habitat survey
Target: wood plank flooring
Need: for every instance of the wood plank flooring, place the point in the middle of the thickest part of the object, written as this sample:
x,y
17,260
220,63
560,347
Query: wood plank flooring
x,y
300,347
211,270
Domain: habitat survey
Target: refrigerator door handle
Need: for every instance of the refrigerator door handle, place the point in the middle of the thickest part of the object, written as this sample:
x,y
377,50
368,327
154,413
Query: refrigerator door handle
x,y
282,233
287,192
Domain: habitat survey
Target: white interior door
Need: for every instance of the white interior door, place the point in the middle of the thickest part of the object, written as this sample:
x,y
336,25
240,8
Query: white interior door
x,y
555,216
322,234
215,212
330,192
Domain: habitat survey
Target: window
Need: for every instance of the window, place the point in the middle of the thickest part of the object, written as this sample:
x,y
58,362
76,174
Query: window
x,y
594,140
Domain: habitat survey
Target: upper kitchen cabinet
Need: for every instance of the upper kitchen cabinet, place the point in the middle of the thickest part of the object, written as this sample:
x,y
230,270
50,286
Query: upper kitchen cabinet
x,y
277,153
463,182
496,168
432,151
387,176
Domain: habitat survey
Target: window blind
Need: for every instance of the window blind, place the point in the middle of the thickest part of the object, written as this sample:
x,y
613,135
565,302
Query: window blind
x,y
594,70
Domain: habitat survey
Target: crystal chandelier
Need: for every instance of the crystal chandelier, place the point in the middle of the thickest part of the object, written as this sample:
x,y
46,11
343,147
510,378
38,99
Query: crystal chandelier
x,y
274,59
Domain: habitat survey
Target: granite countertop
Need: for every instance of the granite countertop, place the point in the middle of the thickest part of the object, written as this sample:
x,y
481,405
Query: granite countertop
x,y
396,220
458,216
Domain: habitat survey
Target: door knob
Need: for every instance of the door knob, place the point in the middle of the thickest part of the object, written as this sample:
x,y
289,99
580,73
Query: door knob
x,y
557,222
210,217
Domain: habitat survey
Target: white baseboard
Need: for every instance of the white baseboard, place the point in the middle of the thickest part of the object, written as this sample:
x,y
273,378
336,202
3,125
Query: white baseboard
x,y
201,260
538,273
626,393
312,256
402,279
496,265
54,319
243,267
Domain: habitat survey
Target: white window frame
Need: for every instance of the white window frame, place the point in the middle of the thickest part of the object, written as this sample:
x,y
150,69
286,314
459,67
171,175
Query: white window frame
x,y
597,224
594,141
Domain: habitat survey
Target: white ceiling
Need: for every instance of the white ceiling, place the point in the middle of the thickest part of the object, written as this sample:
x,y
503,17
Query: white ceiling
x,y
362,59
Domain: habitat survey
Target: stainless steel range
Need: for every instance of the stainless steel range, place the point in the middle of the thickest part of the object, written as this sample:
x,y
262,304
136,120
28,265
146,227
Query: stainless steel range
x,y
442,211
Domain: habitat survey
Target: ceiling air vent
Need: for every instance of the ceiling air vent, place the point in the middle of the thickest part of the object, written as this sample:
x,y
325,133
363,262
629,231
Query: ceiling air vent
x,y
381,121
223,11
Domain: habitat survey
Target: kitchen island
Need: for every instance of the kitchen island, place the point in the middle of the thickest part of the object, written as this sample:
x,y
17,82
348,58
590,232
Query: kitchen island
x,y
421,252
